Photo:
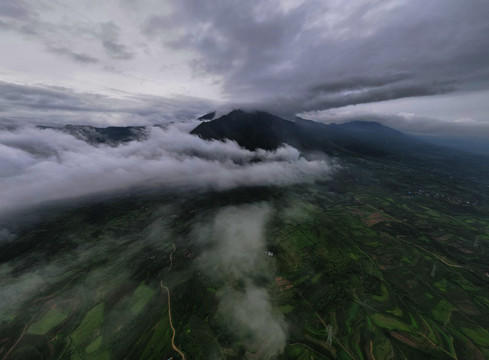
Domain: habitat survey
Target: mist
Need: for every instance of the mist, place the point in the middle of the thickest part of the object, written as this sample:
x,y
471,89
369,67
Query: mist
x,y
43,165
236,259
81,269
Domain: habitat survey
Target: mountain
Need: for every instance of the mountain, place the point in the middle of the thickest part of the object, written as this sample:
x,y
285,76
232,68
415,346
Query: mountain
x,y
250,130
208,116
112,135
259,129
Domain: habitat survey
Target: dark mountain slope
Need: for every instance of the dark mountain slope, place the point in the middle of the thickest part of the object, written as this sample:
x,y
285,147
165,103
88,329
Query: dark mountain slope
x,y
208,116
254,130
372,140
250,130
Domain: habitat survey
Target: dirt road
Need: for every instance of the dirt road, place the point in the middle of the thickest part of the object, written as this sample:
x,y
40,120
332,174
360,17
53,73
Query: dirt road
x,y
180,352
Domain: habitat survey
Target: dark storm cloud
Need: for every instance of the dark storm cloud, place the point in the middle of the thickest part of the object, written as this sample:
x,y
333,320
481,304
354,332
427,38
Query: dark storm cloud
x,y
357,83
383,50
325,98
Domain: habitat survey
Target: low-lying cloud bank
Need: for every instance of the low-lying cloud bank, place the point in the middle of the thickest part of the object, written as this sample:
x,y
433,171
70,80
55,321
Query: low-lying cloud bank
x,y
41,165
236,258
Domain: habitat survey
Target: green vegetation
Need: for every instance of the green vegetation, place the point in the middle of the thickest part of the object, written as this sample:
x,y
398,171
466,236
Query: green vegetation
x,y
383,349
478,335
90,323
143,295
94,345
286,309
389,323
50,320
443,311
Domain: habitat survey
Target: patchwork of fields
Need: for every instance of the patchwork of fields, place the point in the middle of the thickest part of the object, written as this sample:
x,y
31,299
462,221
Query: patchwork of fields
x,y
389,262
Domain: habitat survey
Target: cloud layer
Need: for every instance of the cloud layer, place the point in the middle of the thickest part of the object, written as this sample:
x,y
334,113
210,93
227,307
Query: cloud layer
x,y
41,165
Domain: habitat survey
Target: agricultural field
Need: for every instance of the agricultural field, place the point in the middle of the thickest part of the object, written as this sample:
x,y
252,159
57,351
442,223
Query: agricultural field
x,y
379,262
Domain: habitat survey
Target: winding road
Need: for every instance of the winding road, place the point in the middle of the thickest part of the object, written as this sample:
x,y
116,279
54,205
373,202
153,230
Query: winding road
x,y
180,352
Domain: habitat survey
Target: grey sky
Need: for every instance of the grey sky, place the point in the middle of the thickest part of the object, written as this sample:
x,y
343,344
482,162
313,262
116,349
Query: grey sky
x,y
93,61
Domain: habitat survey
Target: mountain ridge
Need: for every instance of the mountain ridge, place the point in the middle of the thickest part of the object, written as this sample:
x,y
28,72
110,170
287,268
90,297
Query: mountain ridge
x,y
260,129
355,139
110,135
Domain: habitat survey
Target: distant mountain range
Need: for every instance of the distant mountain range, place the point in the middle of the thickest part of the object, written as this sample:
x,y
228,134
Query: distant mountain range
x,y
355,139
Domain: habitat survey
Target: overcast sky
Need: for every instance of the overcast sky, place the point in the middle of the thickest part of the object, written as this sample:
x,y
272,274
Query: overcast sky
x,y
135,61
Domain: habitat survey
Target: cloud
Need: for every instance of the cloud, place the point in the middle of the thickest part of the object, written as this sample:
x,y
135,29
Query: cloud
x,y
56,34
315,55
282,56
43,104
25,18
26,278
110,41
14,9
251,316
235,258
42,165
325,97
285,56
13,294
81,58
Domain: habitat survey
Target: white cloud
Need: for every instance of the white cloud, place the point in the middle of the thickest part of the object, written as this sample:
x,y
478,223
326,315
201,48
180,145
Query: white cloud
x,y
235,243
45,165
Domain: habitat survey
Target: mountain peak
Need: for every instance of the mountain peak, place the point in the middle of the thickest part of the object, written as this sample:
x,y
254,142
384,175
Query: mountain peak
x,y
250,130
208,116
259,129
